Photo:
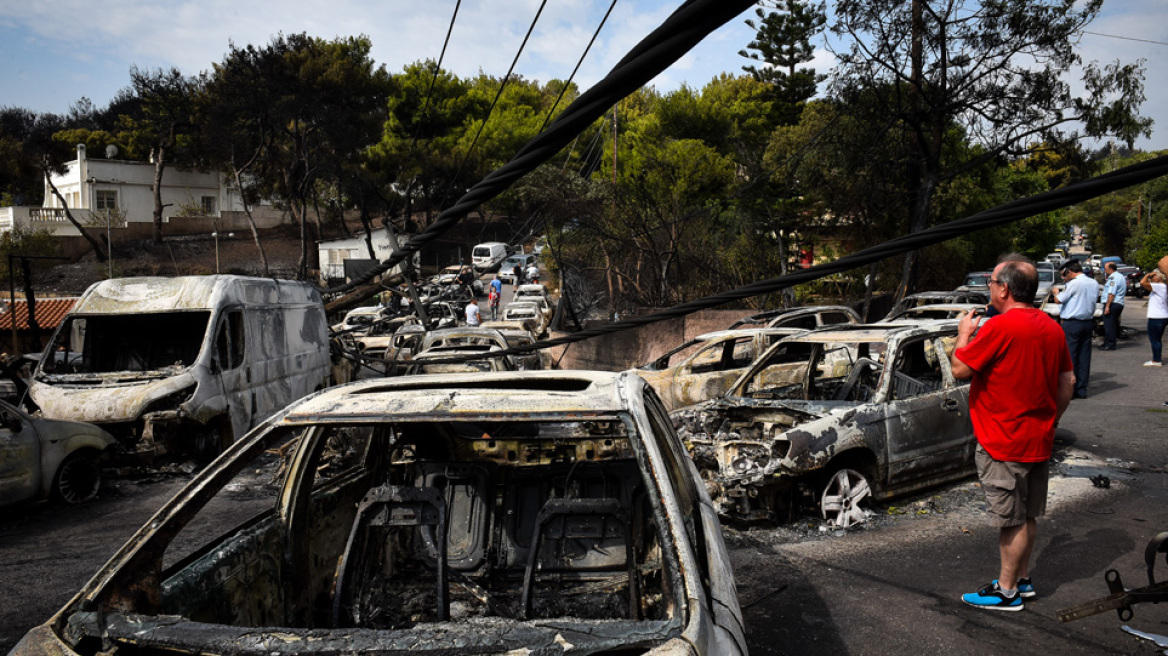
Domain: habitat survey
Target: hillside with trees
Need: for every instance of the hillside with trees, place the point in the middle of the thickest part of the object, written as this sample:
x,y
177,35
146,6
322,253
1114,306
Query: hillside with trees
x,y
936,110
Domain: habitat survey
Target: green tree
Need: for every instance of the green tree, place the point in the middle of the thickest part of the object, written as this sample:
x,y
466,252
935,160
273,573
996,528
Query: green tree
x,y
995,70
161,126
782,44
314,104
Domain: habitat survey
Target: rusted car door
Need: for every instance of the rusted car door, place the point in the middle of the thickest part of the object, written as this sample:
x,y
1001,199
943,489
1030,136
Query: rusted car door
x,y
927,418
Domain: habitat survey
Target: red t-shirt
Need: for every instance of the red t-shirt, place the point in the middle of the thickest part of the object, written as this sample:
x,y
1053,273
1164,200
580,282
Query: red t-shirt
x,y
1013,399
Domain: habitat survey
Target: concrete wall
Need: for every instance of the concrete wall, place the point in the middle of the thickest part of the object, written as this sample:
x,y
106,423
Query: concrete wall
x,y
74,246
641,345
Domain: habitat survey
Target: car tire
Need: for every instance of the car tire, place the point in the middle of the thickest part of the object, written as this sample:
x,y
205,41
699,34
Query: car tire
x,y
78,479
843,497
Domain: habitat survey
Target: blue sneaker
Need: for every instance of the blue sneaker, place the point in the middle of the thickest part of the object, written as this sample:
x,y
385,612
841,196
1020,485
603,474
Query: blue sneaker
x,y
991,597
1025,588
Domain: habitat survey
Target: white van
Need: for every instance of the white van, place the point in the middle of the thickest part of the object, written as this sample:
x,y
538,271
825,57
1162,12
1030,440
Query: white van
x,y
184,365
488,255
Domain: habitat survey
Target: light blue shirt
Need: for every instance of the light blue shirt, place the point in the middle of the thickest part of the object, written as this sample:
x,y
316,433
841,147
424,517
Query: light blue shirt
x,y
1116,284
1078,298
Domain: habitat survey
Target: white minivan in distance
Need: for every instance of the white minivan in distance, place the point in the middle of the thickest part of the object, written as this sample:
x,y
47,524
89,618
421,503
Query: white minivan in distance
x,y
488,255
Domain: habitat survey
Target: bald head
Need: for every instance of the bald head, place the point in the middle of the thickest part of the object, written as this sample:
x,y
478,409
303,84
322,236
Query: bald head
x,y
1019,275
1163,265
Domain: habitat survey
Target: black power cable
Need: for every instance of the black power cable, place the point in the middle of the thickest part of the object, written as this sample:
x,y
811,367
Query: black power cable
x,y
683,30
993,217
498,95
579,62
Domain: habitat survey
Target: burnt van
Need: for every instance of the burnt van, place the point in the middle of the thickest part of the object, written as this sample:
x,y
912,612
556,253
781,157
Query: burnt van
x,y
184,365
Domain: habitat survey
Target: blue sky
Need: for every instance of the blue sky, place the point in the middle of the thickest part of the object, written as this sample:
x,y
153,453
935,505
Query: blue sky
x,y
52,52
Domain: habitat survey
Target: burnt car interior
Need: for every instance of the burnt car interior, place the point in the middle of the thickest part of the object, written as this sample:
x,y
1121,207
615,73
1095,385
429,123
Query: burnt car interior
x,y
846,371
409,523
127,342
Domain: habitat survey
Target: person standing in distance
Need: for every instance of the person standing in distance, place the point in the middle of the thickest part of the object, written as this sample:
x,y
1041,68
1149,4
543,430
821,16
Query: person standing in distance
x,y
1022,383
1078,318
1114,292
472,312
1154,283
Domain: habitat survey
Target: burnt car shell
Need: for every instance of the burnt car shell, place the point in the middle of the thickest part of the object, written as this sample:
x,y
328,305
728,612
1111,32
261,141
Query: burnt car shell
x,y
885,406
542,483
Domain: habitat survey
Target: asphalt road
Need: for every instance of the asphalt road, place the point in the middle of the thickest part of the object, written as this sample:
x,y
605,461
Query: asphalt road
x,y
896,590
891,588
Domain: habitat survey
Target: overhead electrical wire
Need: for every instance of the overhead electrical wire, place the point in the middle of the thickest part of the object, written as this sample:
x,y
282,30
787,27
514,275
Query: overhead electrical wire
x,y
1127,38
1000,215
579,62
491,109
683,30
426,101
679,33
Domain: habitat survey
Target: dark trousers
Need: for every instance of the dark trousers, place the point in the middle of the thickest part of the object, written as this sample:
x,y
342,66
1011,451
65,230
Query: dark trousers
x,y
1155,335
1078,333
1111,325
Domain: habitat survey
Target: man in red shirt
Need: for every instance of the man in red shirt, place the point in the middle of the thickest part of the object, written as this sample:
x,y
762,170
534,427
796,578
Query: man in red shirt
x,y
1022,383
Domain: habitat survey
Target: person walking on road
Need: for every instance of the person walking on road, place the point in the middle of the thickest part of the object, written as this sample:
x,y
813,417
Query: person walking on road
x,y
1154,282
1114,293
472,312
1078,318
1022,383
532,273
493,302
517,274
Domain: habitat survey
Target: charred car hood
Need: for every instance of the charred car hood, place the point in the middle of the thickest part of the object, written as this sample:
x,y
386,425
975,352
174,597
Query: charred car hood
x,y
105,398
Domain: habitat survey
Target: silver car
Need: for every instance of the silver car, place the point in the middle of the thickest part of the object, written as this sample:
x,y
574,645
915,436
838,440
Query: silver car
x,y
542,512
42,458
843,413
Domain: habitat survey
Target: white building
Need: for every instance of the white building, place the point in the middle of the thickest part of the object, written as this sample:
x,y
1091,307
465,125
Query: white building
x,y
92,185
334,252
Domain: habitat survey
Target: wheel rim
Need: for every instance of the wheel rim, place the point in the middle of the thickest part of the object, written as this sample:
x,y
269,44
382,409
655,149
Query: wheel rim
x,y
78,480
842,496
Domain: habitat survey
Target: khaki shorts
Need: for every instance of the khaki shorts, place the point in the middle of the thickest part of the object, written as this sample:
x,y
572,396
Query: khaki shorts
x,y
1014,491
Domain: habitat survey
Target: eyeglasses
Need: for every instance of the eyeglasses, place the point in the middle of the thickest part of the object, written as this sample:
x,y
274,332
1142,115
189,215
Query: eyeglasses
x,y
996,281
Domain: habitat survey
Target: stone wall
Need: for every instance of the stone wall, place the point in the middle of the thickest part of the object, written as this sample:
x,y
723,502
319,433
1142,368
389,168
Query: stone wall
x,y
635,347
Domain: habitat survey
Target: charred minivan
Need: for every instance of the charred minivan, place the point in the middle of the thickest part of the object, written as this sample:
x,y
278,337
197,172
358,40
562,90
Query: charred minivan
x,y
485,513
184,365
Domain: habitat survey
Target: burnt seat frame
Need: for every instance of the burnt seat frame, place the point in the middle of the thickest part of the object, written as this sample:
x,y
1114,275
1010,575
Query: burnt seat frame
x,y
555,508
395,506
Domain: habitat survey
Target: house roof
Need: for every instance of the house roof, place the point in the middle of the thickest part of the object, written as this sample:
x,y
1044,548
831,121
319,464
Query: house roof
x,y
49,312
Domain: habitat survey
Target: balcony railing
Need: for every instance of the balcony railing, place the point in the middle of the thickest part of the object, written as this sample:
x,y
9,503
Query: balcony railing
x,y
46,214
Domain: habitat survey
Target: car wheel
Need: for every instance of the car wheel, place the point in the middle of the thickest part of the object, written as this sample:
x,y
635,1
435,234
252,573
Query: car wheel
x,y
843,494
78,478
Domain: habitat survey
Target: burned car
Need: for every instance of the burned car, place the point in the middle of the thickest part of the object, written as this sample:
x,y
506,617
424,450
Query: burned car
x,y
530,513
805,318
459,359
183,366
527,313
517,336
706,366
839,414
925,299
42,458
933,312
